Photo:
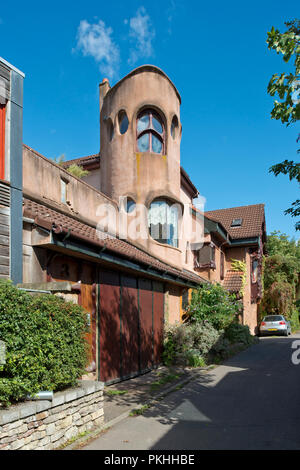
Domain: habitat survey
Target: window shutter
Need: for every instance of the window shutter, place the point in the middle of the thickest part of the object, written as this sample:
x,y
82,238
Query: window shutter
x,y
204,255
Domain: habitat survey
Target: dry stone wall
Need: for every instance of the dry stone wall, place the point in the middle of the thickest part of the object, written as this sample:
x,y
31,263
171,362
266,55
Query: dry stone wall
x,y
45,425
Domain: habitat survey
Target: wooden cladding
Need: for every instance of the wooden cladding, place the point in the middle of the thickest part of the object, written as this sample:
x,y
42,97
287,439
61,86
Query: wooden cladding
x,y
4,195
2,141
4,82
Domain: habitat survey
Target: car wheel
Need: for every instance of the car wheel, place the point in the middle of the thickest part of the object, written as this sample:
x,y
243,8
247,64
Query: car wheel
x,y
286,333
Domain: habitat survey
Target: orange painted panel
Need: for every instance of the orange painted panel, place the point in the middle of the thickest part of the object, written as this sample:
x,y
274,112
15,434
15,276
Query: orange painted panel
x,y
2,141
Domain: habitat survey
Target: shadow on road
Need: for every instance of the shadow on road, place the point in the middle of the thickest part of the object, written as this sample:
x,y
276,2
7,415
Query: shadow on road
x,y
252,401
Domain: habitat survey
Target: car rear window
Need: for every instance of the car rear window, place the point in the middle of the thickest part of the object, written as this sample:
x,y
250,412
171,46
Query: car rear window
x,y
273,318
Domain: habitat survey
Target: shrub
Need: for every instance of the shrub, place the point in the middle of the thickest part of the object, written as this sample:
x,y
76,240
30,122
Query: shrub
x,y
214,304
295,319
237,333
195,359
45,344
188,343
198,343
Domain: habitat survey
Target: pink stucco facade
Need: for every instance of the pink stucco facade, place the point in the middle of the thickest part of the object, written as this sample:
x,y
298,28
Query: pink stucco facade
x,y
124,169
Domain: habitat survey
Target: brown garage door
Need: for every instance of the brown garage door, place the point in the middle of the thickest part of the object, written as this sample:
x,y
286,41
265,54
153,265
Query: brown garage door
x,y
109,340
129,327
131,313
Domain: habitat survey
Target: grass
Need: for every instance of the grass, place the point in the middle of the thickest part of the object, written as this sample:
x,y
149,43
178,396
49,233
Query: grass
x,y
139,411
115,392
164,380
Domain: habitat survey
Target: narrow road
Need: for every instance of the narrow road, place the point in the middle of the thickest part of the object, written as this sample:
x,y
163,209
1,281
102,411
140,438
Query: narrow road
x,y
250,402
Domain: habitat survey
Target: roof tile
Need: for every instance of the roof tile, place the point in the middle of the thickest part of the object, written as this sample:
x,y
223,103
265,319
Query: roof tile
x,y
50,218
252,224
233,281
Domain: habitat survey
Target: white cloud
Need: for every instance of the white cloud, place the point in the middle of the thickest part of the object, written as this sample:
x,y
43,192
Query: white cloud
x,y
170,15
141,34
95,40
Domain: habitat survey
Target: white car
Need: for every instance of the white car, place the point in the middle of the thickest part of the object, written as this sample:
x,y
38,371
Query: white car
x,y
275,324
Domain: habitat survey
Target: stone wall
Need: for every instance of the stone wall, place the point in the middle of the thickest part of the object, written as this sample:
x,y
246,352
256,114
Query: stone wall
x,y
46,425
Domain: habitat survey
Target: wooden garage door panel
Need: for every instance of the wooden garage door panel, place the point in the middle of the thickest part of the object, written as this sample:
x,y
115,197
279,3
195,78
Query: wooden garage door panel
x,y
130,326
109,326
146,331
158,320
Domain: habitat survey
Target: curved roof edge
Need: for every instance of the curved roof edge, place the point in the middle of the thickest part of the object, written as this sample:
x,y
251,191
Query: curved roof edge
x,y
145,68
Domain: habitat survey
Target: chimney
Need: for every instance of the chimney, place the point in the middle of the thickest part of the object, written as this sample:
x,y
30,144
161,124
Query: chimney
x,y
103,89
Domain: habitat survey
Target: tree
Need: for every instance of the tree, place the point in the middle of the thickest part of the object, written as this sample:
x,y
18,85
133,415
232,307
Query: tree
x,y
287,87
73,169
281,277
77,171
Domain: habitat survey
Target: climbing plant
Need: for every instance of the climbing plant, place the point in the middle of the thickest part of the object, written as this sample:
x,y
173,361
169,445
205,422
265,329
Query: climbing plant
x,y
240,266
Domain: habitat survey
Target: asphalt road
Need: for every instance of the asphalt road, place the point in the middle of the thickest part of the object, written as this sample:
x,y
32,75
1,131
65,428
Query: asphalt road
x,y
250,402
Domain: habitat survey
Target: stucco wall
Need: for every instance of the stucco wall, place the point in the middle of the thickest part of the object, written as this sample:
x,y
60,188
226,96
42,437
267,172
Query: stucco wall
x,y
42,180
127,172
250,309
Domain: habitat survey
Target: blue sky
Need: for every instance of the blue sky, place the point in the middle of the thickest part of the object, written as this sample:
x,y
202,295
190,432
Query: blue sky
x,y
214,52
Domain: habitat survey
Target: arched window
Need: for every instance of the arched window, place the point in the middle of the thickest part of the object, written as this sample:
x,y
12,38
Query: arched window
x,y
150,132
123,122
174,127
163,222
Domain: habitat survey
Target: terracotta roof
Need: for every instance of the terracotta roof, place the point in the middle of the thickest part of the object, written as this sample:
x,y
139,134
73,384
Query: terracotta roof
x,y
233,281
61,223
82,160
186,179
252,220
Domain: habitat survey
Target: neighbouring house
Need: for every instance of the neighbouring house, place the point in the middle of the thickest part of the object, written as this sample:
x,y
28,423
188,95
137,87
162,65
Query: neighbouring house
x,y
236,234
127,241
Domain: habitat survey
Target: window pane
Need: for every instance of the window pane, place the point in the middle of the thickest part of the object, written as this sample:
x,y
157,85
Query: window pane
x,y
143,123
123,122
156,144
63,187
173,130
110,128
157,125
130,206
174,126
143,143
163,223
173,225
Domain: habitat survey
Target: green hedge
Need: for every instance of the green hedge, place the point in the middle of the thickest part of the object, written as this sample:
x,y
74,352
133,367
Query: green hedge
x,y
45,343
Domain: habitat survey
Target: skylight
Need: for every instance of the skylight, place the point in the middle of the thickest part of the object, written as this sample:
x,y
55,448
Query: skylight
x,y
236,222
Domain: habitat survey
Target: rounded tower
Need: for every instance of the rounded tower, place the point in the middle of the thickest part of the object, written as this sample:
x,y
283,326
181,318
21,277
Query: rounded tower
x,y
140,135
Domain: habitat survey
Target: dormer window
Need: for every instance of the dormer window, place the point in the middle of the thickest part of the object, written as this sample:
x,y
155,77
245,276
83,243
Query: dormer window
x,y
236,223
150,132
